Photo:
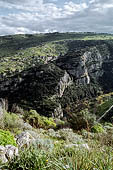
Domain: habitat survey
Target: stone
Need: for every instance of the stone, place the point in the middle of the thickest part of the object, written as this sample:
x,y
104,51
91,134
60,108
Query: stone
x,y
7,153
24,139
11,151
27,126
3,158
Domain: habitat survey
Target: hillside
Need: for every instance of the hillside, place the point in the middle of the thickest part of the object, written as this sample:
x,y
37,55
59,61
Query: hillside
x,y
56,101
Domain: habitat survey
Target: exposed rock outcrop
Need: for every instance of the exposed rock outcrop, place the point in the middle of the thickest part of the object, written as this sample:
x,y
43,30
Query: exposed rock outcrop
x,y
64,82
2,107
84,66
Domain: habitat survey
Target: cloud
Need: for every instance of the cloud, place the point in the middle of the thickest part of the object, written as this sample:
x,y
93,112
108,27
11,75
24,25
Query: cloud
x,y
36,16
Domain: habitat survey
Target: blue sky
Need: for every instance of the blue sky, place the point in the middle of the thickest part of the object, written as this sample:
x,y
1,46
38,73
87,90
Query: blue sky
x,y
35,16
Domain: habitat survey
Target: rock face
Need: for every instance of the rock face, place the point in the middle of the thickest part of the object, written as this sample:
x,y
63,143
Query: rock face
x,y
2,107
84,66
64,82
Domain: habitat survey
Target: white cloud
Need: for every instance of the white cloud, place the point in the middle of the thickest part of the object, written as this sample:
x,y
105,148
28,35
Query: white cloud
x,y
72,7
34,16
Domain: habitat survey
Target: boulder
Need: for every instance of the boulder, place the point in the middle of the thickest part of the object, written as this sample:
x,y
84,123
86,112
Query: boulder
x,y
7,153
25,139
11,151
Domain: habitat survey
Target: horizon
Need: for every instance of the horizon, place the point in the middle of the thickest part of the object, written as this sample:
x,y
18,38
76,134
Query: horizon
x,y
47,16
58,33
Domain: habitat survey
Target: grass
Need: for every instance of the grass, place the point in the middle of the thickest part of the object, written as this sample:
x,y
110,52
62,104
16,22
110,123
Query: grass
x,y
99,158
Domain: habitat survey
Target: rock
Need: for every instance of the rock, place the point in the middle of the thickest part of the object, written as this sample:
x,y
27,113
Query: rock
x,y
24,139
27,126
3,158
7,153
2,107
11,151
83,66
58,112
64,82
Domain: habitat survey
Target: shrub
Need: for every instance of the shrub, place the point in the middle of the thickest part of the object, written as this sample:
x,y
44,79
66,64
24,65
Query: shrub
x,y
6,138
37,121
60,124
82,119
13,122
97,128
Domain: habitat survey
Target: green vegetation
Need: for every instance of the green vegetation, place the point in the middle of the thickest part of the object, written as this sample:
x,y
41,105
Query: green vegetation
x,y
6,138
13,122
82,119
37,121
63,159
98,128
104,106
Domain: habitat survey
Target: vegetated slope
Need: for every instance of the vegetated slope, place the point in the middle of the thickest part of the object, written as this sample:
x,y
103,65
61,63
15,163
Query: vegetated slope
x,y
49,72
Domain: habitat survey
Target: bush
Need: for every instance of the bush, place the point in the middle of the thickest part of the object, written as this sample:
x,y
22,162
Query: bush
x,y
13,122
37,121
6,138
97,128
82,119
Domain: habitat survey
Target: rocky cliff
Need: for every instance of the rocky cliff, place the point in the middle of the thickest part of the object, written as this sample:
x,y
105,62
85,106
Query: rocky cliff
x,y
85,70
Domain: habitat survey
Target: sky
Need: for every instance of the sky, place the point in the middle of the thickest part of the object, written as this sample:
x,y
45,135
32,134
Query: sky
x,y
36,16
